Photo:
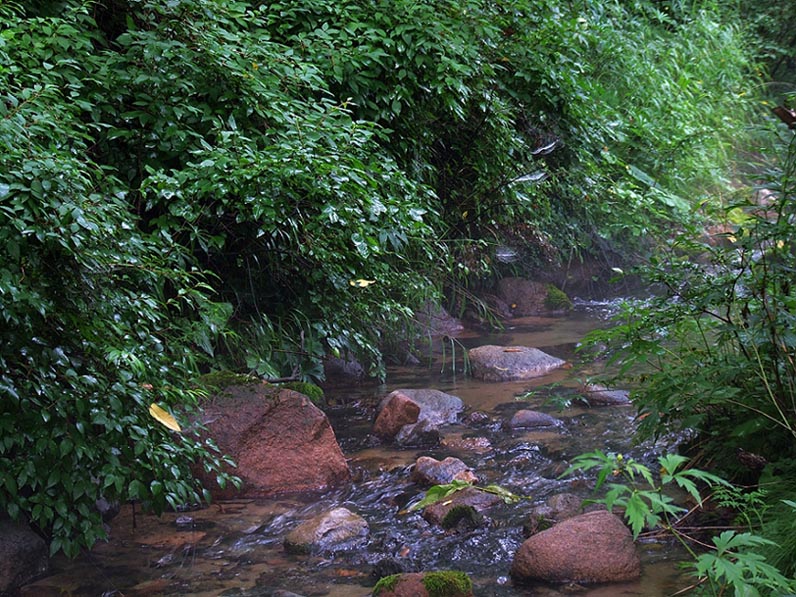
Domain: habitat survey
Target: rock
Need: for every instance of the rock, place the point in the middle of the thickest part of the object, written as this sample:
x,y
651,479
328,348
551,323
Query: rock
x,y
595,547
531,419
478,418
479,445
386,567
398,411
336,530
598,395
434,320
108,510
425,584
396,419
471,497
526,297
506,363
429,471
23,556
557,508
335,368
281,442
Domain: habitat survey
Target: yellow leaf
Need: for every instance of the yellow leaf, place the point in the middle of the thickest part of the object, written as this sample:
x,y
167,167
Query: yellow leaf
x,y
362,283
164,417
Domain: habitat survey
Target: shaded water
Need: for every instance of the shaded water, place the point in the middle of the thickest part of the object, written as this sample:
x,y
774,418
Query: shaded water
x,y
235,548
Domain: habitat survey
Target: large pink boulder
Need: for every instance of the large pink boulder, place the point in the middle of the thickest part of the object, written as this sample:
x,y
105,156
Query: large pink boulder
x,y
595,547
281,442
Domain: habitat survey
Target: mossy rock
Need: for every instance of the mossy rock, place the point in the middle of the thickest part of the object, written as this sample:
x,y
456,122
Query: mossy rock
x,y
447,583
463,517
216,381
557,300
310,390
444,583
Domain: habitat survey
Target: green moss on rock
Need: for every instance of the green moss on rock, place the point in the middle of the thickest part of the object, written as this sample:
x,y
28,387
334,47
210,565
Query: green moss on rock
x,y
447,583
386,583
310,390
557,300
464,515
218,380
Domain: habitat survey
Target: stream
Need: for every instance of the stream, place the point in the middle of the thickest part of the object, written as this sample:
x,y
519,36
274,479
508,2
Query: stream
x,y
235,548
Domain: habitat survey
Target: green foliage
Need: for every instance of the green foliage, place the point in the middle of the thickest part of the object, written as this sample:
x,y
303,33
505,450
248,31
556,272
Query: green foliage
x,y
99,318
734,563
777,520
644,505
438,493
714,350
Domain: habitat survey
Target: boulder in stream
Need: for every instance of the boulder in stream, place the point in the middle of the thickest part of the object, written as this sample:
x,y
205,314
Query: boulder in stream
x,y
23,556
336,530
413,417
464,500
444,583
598,395
595,547
508,363
281,442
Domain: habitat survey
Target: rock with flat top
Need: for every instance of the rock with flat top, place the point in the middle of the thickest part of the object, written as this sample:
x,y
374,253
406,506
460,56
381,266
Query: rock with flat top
x,y
509,363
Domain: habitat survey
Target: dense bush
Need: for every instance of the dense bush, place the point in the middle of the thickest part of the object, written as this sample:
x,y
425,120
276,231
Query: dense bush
x,y
99,320
714,349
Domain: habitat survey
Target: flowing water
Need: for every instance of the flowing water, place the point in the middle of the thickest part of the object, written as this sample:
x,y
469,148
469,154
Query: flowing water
x,y
235,548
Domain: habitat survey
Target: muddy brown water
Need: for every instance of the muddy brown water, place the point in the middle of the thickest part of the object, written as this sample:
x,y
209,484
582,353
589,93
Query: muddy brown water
x,y
235,548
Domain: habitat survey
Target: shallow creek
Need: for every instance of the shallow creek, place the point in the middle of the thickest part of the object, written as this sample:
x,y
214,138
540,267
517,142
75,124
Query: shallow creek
x,y
235,548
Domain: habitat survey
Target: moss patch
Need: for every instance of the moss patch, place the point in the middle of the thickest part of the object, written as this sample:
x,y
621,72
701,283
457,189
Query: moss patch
x,y
218,380
448,583
387,583
464,515
557,300
310,390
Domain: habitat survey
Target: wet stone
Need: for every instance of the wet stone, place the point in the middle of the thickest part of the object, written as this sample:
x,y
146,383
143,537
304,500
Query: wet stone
x,y
335,530
508,363
430,471
531,419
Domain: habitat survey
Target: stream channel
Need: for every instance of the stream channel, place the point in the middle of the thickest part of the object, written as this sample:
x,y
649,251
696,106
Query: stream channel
x,y
236,548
